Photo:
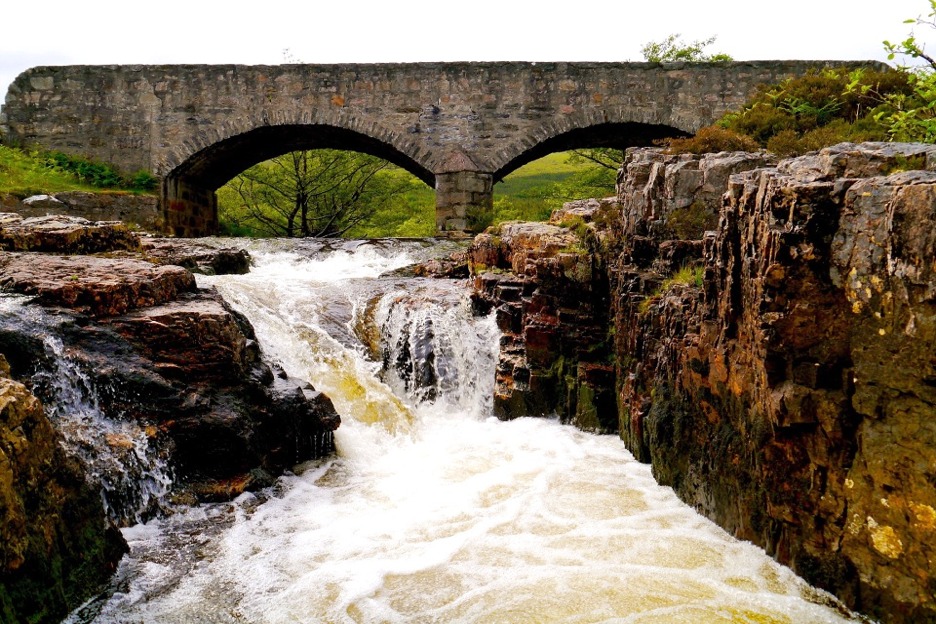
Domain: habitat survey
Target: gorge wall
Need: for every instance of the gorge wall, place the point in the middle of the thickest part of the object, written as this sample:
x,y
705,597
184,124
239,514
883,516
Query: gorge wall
x,y
763,334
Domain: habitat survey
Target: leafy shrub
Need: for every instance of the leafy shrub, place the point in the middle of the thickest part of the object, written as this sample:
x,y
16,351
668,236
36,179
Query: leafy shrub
x,y
712,139
94,173
691,222
142,181
98,174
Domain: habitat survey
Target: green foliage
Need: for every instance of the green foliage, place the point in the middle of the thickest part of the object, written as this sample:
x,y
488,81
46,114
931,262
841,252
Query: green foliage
x,y
910,46
326,193
711,139
673,49
99,174
691,222
823,108
911,117
533,191
142,181
830,106
685,276
408,213
692,276
29,173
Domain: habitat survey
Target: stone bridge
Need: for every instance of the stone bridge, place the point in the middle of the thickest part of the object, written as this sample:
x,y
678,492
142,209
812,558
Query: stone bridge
x,y
459,127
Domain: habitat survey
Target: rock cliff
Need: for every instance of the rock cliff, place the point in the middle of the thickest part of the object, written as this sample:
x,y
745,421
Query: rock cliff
x,y
773,329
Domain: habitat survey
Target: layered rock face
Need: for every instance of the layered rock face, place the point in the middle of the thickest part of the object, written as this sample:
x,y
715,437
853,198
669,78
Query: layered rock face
x,y
773,329
57,547
551,303
791,397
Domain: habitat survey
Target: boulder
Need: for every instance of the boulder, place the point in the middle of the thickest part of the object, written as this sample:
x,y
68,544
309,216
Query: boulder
x,y
197,256
98,286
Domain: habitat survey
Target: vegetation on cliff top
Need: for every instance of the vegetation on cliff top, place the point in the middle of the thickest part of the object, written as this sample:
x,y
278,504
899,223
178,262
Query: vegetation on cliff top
x,y
831,106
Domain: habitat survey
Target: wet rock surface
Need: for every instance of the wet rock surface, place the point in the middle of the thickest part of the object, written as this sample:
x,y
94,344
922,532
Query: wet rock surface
x,y
550,298
773,337
98,286
196,256
57,548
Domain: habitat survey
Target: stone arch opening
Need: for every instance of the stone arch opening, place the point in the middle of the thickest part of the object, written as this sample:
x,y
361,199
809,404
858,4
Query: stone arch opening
x,y
618,135
188,199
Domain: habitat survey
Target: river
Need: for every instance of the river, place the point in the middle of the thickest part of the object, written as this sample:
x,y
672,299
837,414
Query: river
x,y
432,510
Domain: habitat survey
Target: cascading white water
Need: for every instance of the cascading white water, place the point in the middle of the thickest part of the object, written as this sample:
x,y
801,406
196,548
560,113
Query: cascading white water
x,y
118,457
433,511
117,454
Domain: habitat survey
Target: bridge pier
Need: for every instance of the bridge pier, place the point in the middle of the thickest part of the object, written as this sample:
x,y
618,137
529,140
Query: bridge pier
x,y
464,201
188,209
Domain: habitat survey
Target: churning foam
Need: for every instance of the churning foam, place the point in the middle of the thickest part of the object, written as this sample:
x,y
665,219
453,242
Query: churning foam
x,y
447,515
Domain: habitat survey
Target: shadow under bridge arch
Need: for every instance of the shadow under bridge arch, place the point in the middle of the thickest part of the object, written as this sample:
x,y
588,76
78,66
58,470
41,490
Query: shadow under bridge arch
x,y
188,200
616,135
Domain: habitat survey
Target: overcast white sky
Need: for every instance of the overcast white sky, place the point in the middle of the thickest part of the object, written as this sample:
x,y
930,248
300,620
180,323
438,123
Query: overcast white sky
x,y
56,32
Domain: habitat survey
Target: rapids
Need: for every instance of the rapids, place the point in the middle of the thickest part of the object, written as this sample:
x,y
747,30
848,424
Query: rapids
x,y
432,510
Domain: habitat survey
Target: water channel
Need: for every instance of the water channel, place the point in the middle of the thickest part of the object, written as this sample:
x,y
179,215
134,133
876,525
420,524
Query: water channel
x,y
432,510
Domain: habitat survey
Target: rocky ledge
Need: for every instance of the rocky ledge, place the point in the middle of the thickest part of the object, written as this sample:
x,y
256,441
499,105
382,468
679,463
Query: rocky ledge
x,y
147,347
772,330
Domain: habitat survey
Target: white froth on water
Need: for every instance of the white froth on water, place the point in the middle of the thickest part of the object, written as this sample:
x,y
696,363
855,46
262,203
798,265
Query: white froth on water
x,y
433,511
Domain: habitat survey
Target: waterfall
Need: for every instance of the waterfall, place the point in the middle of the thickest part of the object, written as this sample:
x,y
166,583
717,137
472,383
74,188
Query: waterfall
x,y
432,510
119,456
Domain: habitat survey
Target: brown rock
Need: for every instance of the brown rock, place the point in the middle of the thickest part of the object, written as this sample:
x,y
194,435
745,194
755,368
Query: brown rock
x,y
791,398
57,550
99,286
197,256
64,234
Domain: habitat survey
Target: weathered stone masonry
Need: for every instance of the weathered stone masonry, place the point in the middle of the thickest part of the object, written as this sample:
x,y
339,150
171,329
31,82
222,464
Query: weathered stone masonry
x,y
457,126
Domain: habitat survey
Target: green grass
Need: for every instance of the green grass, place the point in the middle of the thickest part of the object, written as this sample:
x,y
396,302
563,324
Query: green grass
x,y
23,174
685,276
534,190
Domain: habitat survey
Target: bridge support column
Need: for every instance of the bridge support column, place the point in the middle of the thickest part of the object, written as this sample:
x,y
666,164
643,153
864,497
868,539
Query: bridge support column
x,y
188,210
464,201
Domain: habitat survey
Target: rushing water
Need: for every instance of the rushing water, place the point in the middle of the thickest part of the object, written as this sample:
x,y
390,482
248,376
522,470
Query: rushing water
x,y
433,511
118,457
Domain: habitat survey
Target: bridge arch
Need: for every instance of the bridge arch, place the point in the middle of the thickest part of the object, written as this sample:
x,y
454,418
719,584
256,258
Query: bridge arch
x,y
616,134
200,166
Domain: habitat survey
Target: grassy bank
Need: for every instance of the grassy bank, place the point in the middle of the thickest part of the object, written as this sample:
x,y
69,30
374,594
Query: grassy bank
x,y
25,173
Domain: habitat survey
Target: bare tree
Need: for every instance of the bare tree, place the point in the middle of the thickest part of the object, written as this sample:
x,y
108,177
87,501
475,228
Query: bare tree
x,y
316,193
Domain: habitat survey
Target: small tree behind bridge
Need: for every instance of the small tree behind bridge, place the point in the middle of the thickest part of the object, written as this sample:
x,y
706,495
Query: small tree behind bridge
x,y
313,193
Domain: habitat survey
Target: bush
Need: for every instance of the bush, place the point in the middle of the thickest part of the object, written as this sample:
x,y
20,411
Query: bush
x,y
691,222
823,108
94,173
712,139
